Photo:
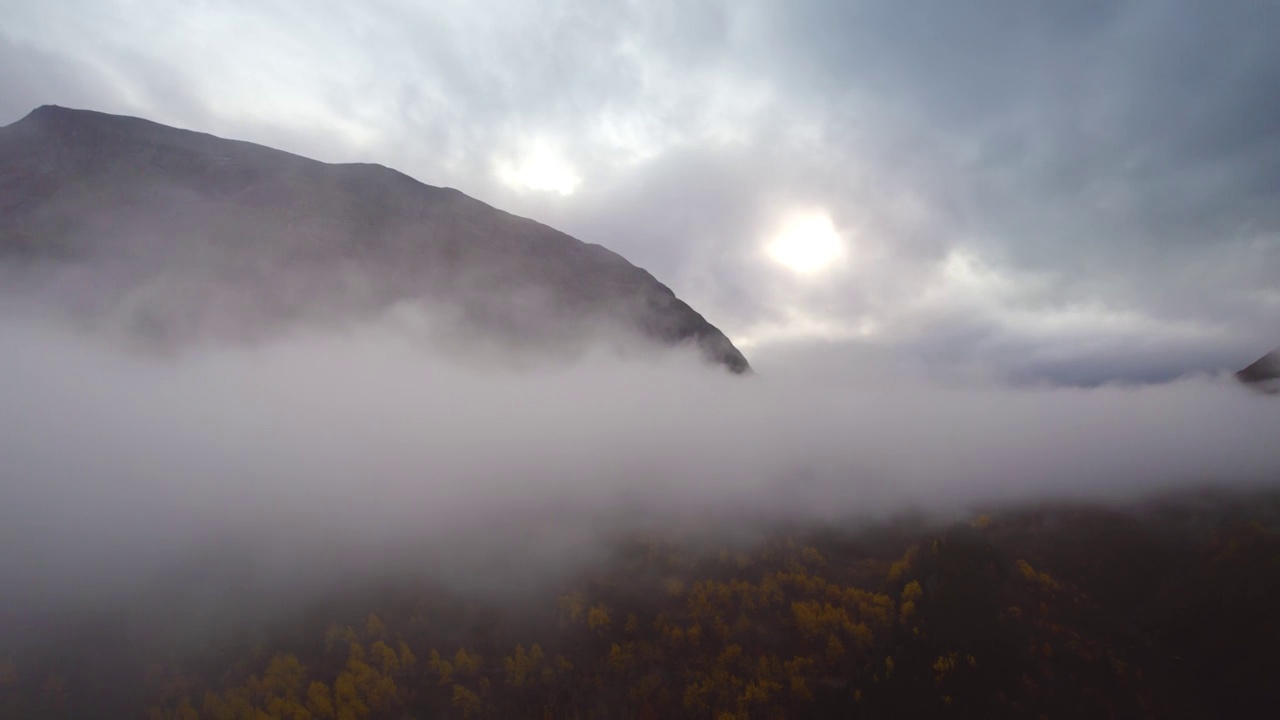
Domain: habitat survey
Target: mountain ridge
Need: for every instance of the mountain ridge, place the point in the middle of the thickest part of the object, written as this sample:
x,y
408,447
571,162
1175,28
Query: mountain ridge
x,y
288,236
1263,373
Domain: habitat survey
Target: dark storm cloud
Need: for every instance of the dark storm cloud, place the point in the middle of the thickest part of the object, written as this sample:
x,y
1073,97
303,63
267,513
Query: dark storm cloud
x,y
1013,179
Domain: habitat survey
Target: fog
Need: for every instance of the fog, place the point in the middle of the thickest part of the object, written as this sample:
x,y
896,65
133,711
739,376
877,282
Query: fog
x,y
323,457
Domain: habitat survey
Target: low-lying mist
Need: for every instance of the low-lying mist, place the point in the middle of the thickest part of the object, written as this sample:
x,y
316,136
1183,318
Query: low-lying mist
x,y
326,457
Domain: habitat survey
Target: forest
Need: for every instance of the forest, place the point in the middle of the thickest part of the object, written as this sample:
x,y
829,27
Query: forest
x,y
1160,609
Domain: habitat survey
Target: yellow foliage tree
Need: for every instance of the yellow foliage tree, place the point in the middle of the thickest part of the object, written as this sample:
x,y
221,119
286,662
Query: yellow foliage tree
x,y
621,656
319,701
384,658
347,704
377,691
907,610
467,702
598,618
522,667
465,663
338,637
285,677
407,659
834,650
441,668
1042,579
572,607
912,591
374,629
902,566
811,556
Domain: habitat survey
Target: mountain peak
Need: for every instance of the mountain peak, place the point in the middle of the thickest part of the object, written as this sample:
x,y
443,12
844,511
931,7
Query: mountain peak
x,y
47,111
47,115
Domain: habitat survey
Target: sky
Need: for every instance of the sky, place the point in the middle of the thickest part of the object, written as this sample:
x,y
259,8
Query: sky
x,y
1072,193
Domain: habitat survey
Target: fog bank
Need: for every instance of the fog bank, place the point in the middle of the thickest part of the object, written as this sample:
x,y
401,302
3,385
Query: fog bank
x,y
329,453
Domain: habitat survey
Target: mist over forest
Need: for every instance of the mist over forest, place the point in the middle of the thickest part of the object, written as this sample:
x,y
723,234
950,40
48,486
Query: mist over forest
x,y
266,478
370,436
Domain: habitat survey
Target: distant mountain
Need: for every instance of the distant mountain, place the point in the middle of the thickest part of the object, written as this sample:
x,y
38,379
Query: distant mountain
x,y
1263,374
172,236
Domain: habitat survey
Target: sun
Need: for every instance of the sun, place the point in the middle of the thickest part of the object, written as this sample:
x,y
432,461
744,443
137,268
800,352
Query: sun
x,y
807,244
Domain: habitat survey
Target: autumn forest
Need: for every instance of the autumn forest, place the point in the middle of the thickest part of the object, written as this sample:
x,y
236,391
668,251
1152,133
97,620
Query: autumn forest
x,y
1068,611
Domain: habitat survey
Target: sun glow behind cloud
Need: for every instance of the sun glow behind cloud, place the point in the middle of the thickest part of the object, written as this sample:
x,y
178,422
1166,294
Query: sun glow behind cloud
x,y
540,167
807,244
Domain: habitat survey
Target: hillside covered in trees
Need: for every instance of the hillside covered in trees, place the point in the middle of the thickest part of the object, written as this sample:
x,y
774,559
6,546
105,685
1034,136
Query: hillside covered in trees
x,y
1164,610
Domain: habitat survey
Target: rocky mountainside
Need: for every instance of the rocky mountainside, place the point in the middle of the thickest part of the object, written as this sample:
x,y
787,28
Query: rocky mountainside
x,y
170,236
1263,374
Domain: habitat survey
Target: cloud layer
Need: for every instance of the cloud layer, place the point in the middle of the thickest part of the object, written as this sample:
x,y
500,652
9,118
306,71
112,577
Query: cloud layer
x,y
328,457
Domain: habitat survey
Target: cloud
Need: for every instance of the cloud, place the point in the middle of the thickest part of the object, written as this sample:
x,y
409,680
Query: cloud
x,y
27,73
324,456
1098,162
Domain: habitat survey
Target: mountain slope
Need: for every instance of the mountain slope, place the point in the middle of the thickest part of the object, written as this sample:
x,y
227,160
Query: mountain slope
x,y
1263,374
172,236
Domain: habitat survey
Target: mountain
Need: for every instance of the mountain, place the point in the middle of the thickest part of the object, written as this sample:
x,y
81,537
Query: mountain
x,y
170,236
1263,374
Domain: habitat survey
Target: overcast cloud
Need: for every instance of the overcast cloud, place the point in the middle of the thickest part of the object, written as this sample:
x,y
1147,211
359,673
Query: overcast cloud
x,y
1075,191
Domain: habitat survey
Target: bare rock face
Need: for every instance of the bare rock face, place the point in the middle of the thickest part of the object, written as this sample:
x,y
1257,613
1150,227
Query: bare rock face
x,y
173,236
1264,374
